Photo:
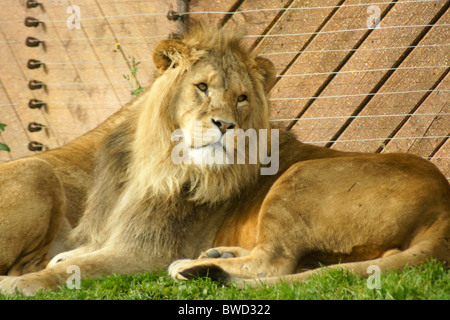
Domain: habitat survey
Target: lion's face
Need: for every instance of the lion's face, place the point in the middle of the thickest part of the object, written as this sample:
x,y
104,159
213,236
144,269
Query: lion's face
x,y
216,104
199,129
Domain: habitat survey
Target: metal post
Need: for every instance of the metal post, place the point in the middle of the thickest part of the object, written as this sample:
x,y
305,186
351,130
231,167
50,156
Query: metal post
x,y
183,19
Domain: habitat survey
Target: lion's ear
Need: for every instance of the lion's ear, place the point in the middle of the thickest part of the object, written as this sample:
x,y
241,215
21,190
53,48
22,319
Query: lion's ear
x,y
169,52
266,68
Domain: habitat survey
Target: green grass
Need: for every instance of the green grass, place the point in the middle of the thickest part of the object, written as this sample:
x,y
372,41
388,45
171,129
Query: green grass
x,y
428,282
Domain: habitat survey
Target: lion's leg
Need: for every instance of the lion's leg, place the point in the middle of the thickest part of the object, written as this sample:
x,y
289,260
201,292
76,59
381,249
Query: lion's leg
x,y
259,268
91,264
279,248
31,210
263,265
274,254
63,256
418,254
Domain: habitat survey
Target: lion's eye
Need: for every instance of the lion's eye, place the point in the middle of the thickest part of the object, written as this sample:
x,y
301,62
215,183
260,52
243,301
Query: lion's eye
x,y
242,98
202,86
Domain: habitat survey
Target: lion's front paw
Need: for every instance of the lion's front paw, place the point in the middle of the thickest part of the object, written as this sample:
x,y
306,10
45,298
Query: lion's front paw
x,y
187,269
20,284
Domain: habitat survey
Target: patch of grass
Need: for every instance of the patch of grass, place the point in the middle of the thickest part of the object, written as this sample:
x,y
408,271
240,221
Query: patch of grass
x,y
428,282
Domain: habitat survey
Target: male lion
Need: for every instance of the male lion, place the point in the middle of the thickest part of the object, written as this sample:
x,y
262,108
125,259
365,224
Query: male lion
x,y
139,210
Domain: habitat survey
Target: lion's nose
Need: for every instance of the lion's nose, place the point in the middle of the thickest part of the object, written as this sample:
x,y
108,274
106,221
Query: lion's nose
x,y
223,125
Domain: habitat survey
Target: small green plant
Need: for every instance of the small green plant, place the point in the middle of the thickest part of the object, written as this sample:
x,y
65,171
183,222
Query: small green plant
x,y
3,147
136,87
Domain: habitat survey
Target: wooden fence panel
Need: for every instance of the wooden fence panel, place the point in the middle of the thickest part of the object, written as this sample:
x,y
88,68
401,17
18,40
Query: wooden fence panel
x,y
421,71
196,6
354,84
125,27
311,73
14,81
15,136
65,120
77,55
442,156
340,83
256,23
283,44
425,124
